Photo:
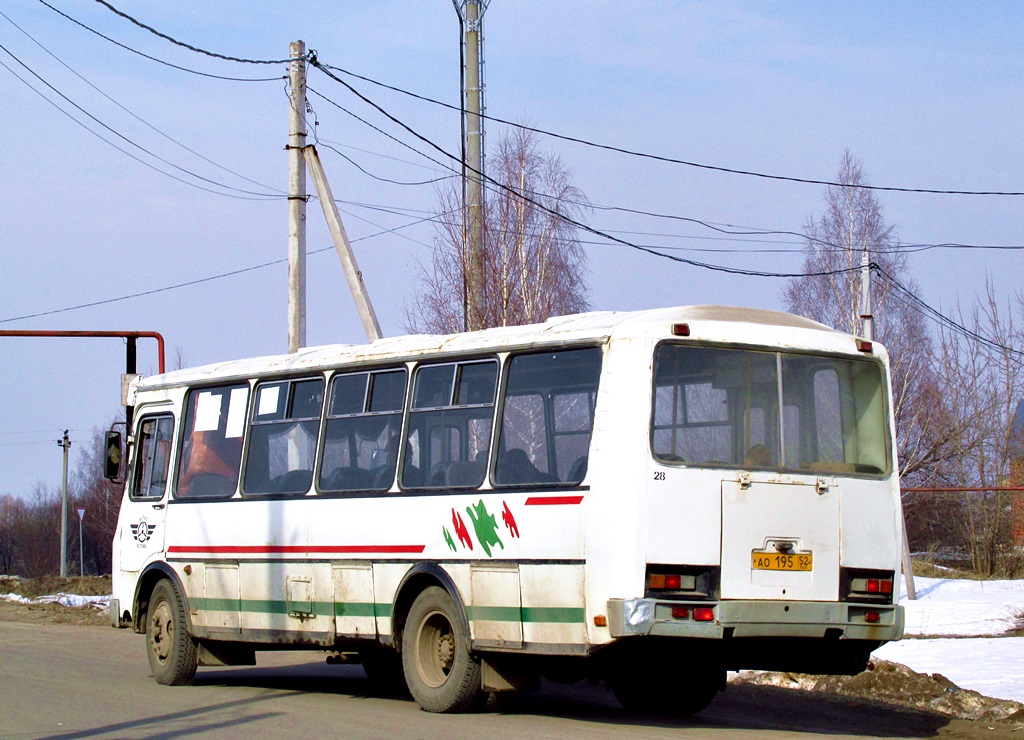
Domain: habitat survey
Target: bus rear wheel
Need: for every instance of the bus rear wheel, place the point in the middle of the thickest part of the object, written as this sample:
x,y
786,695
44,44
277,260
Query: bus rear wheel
x,y
172,651
440,672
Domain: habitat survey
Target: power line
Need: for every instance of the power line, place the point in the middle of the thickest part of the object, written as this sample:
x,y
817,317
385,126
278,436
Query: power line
x,y
566,218
378,177
382,132
134,115
259,196
199,281
115,146
734,230
154,59
940,318
658,157
182,44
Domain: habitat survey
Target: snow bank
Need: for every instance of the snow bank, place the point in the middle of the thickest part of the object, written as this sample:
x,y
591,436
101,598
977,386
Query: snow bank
x,y
961,608
971,616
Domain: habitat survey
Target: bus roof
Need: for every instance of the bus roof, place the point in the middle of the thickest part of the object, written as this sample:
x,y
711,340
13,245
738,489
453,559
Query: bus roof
x,y
715,323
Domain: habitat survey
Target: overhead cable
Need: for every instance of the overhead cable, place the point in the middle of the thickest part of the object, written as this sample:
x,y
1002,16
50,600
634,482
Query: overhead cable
x,y
155,59
567,219
199,281
122,150
134,115
118,134
182,44
937,316
658,157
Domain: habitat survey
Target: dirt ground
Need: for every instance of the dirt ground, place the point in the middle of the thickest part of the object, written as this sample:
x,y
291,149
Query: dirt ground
x,y
13,611
973,715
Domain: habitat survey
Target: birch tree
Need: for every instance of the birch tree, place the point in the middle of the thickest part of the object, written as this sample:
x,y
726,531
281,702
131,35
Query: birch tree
x,y
853,222
534,264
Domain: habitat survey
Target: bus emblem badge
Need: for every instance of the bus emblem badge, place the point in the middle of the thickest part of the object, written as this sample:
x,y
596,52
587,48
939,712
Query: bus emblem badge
x,y
142,531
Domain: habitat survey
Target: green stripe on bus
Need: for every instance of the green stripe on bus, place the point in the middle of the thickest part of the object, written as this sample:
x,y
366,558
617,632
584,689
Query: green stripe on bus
x,y
533,614
260,606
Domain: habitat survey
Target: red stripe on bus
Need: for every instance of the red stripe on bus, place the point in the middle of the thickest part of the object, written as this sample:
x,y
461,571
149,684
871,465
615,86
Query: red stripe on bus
x,y
553,500
295,549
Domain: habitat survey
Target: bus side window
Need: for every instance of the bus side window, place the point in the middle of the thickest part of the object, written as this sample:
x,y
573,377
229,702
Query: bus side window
x,y
363,431
283,438
152,457
547,417
449,434
212,442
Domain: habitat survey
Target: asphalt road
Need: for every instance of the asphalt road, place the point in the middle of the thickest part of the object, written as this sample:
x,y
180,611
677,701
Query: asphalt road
x,y
86,682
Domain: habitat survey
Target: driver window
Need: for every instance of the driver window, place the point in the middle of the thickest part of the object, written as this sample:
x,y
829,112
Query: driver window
x,y
152,457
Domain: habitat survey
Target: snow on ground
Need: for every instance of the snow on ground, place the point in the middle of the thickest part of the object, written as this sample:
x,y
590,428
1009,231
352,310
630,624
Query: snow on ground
x,y
971,615
967,617
100,602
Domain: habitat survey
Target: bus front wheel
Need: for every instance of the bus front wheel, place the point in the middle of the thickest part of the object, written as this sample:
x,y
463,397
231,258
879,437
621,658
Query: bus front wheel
x,y
440,672
173,653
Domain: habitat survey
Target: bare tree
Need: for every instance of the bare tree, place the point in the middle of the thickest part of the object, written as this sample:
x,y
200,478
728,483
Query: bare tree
x,y
534,265
37,534
982,380
101,500
830,292
11,511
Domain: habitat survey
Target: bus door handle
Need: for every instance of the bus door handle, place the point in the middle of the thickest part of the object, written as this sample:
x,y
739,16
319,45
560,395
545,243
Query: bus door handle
x,y
159,506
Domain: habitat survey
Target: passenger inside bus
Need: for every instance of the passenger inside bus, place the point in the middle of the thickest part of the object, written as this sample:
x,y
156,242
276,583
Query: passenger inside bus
x,y
205,472
758,456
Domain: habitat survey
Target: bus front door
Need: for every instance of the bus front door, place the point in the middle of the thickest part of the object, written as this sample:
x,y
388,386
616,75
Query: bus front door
x,y
141,521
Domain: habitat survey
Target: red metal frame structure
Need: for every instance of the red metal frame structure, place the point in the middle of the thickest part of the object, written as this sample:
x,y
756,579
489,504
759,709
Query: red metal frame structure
x,y
132,338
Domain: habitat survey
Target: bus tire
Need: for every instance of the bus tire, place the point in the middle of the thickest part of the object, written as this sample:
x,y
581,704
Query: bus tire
x,y
440,672
173,653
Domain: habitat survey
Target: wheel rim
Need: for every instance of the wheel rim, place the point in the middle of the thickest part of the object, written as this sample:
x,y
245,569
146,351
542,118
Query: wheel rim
x,y
161,632
435,649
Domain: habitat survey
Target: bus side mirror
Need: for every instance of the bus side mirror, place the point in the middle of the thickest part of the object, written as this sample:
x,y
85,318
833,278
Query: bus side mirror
x,y
112,447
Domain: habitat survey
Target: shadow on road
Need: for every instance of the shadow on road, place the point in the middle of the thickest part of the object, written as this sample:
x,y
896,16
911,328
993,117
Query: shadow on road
x,y
739,708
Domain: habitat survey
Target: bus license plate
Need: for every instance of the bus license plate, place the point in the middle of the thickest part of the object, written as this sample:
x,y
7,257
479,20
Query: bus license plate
x,y
801,561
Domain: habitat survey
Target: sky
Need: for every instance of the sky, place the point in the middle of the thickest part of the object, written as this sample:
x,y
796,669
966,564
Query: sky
x,y
925,95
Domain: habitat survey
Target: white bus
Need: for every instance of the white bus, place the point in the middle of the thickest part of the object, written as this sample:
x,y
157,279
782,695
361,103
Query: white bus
x,y
648,498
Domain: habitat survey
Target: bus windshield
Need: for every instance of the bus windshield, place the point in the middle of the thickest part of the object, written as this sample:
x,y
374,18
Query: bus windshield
x,y
716,407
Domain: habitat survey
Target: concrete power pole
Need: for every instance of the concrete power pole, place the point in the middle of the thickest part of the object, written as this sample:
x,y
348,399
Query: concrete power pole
x,y
471,14
297,200
869,333
64,443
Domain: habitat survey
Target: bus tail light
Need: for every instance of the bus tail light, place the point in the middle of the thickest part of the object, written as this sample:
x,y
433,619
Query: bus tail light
x,y
681,582
680,612
867,585
872,617
704,614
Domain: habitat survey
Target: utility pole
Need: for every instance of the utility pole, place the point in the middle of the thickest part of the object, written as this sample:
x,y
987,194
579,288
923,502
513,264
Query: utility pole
x,y
471,14
869,333
64,443
865,295
297,199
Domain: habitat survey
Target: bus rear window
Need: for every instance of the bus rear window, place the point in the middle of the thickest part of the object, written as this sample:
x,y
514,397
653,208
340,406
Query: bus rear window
x,y
717,407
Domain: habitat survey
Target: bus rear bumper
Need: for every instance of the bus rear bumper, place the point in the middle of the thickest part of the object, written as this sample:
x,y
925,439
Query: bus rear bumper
x,y
710,620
